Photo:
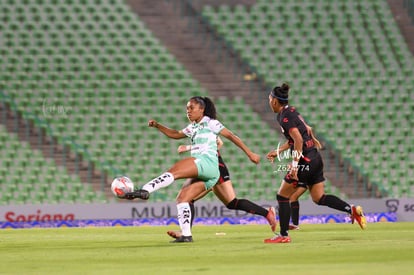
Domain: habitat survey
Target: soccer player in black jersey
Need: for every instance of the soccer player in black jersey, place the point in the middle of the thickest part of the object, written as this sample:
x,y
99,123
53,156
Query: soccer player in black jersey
x,y
306,166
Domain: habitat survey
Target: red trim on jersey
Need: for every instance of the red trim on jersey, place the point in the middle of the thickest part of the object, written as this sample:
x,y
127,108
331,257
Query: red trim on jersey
x,y
306,159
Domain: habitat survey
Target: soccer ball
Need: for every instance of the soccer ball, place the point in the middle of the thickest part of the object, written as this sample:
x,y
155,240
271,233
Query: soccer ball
x,y
121,185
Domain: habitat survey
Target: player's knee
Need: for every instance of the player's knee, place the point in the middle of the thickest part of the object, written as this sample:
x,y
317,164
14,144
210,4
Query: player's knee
x,y
232,204
294,197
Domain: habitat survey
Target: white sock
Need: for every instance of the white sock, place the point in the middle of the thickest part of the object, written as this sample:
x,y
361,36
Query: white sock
x,y
159,182
184,218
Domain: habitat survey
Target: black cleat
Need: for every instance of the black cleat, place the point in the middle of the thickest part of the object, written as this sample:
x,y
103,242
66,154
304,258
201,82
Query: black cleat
x,y
140,194
183,239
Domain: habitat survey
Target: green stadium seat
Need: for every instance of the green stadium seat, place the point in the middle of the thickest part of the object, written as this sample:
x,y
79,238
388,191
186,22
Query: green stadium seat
x,y
349,68
107,50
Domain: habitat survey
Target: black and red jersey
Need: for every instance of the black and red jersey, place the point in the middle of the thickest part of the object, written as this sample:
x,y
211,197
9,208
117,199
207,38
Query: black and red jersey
x,y
289,119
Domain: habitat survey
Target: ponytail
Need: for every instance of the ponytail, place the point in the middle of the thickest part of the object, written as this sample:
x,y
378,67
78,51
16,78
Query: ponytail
x,y
210,108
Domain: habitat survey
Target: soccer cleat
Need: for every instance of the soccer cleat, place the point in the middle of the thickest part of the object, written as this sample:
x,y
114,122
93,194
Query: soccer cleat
x,y
271,218
183,239
174,234
358,215
293,227
141,194
278,239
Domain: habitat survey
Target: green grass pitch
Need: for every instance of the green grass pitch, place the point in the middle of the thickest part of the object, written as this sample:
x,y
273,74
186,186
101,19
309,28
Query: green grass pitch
x,y
383,248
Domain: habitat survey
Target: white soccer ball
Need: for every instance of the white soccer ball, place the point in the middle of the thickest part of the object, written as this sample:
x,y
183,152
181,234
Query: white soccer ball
x,y
121,185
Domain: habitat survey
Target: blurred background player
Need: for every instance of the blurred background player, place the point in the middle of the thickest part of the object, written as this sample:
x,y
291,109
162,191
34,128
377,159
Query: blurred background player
x,y
203,163
306,166
225,192
300,188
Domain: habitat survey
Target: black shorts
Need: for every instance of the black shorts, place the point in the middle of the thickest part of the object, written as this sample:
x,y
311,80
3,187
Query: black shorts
x,y
310,169
224,172
301,184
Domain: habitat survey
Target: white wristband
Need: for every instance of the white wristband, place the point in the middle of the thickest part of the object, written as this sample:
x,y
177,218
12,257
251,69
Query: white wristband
x,y
294,164
188,147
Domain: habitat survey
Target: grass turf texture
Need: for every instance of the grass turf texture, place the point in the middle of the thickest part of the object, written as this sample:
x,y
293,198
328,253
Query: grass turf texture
x,y
384,248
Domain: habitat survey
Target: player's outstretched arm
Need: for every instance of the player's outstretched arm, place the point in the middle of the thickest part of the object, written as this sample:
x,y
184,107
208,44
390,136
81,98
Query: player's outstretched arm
x,y
274,153
171,133
239,143
186,148
183,148
219,143
312,135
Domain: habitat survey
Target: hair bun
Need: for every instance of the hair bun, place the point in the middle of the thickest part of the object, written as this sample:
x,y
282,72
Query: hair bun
x,y
285,87
282,92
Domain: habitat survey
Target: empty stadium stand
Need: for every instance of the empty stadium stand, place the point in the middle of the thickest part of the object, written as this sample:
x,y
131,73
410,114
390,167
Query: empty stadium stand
x,y
91,74
30,178
350,68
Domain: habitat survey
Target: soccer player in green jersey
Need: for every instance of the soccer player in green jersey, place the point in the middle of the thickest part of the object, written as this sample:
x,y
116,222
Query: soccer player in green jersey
x,y
203,163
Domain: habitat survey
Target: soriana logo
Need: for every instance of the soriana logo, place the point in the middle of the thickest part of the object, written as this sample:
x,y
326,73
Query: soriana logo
x,y
38,216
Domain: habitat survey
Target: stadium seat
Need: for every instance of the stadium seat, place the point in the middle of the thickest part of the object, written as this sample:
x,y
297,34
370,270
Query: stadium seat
x,y
108,54
366,65
36,175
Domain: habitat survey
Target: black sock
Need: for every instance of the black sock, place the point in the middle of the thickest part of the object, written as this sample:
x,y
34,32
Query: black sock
x,y
248,206
294,208
192,210
335,203
284,214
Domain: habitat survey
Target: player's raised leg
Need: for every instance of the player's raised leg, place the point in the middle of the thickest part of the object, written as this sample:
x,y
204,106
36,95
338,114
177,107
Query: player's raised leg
x,y
357,214
185,168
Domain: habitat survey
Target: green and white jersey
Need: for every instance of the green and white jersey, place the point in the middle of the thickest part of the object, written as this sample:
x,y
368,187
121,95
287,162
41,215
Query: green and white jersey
x,y
203,136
